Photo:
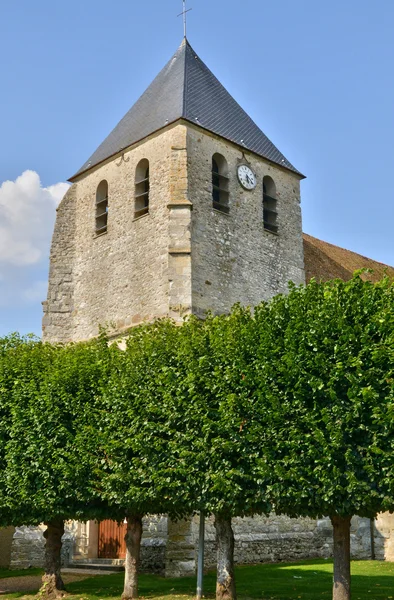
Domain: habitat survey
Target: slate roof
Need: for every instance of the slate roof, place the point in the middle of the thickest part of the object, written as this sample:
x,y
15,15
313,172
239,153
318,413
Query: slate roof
x,y
324,261
187,89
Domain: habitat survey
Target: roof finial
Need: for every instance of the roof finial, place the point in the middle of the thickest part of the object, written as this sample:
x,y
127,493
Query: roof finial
x,y
184,16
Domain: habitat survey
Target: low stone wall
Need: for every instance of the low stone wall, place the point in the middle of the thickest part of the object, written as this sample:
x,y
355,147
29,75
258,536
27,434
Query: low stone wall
x,y
171,548
154,544
153,556
27,549
384,537
360,539
181,548
281,539
262,539
6,538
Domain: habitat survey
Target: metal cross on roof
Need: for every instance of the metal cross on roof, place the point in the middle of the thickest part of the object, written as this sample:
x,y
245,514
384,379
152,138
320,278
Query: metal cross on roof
x,y
184,16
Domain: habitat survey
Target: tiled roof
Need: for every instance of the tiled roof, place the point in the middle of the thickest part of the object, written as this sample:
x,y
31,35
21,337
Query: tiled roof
x,y
186,89
324,261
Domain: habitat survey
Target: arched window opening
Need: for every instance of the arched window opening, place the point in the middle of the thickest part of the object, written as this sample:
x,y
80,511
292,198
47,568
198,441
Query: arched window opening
x,y
102,207
220,181
270,213
141,205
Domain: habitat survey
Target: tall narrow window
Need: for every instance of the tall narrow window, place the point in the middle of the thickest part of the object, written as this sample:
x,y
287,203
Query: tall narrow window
x,y
102,207
141,205
270,213
220,180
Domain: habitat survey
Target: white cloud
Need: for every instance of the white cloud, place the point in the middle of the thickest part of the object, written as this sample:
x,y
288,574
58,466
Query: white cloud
x,y
27,215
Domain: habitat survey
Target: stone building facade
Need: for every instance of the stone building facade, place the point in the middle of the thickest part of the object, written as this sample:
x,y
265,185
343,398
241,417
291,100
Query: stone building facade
x,y
201,241
182,257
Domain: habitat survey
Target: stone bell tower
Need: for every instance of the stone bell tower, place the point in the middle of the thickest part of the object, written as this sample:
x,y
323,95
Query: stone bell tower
x,y
186,206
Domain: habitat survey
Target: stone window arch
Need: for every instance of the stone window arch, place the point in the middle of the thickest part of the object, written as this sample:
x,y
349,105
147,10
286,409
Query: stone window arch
x,y
102,207
220,184
142,189
270,213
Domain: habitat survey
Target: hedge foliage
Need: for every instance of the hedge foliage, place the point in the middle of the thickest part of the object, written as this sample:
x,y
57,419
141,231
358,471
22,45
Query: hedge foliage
x,y
288,408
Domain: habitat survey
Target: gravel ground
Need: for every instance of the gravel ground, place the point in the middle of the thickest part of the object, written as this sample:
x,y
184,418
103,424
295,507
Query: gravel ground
x,y
32,583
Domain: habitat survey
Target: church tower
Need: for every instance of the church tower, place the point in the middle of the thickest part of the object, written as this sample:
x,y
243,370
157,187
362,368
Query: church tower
x,y
186,206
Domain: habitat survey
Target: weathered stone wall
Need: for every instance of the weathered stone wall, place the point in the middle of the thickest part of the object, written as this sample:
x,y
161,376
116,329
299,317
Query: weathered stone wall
x,y
273,539
181,548
59,306
384,536
28,545
122,277
179,234
171,548
153,544
233,258
261,539
183,256
6,537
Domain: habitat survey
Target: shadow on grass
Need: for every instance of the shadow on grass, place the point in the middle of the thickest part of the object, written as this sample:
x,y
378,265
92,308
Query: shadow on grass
x,y
5,573
307,580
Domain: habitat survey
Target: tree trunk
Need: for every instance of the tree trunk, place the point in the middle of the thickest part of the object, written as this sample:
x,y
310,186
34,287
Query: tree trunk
x,y
52,582
341,588
225,581
133,546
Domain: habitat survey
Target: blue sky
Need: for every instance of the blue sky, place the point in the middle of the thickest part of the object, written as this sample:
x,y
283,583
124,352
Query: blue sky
x,y
316,77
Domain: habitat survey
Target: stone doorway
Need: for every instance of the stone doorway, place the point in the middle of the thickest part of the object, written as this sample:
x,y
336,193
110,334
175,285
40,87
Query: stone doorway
x,y
111,542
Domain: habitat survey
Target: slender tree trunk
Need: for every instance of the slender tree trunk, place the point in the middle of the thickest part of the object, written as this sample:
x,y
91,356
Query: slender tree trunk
x,y
341,588
52,582
225,582
133,546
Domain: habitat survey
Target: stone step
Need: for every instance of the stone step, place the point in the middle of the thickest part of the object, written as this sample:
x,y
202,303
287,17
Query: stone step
x,y
98,561
94,564
91,570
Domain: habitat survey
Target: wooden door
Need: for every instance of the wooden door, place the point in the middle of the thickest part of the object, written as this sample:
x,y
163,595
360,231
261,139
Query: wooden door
x,y
111,540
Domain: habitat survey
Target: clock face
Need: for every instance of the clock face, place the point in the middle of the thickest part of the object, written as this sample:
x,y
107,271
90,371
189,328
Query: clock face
x,y
246,177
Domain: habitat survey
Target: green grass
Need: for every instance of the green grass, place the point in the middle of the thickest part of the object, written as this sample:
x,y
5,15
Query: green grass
x,y
4,573
306,580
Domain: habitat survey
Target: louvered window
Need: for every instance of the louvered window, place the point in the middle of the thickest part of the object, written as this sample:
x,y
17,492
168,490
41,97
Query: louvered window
x,y
142,189
220,184
102,207
270,213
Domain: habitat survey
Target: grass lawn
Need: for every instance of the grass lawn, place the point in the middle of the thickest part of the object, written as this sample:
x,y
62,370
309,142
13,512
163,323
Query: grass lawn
x,y
308,580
